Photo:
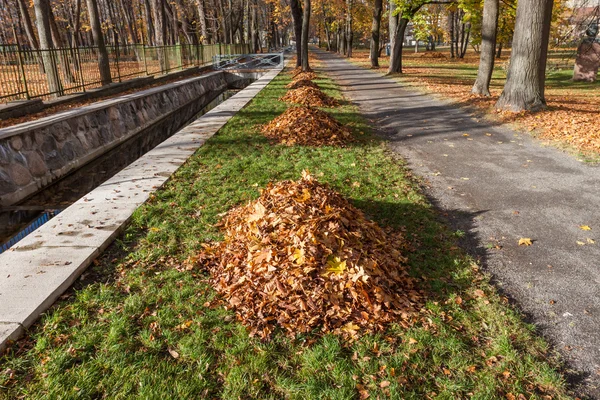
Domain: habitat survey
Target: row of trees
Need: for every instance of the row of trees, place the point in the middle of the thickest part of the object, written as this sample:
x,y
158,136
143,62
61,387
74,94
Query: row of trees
x,y
526,23
487,24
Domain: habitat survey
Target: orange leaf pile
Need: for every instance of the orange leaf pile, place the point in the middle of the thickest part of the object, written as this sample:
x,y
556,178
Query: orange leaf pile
x,y
309,96
302,258
307,126
301,83
308,76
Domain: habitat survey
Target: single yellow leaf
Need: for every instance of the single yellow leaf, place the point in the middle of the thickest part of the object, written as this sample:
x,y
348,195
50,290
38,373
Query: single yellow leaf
x,y
591,241
585,228
412,341
525,242
335,265
579,242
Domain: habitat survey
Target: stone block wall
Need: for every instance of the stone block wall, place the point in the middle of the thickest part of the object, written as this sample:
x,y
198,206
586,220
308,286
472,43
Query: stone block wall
x,y
35,154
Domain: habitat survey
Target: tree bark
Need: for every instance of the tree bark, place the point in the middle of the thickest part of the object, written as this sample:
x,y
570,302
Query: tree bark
x,y
349,30
33,42
160,32
255,34
305,32
489,28
297,17
375,30
42,16
524,89
392,22
396,58
202,20
150,31
103,63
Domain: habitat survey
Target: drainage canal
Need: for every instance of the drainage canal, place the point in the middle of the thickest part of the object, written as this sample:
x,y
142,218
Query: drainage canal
x,y
18,221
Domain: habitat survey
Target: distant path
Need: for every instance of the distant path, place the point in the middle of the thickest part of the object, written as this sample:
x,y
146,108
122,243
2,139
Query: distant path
x,y
505,191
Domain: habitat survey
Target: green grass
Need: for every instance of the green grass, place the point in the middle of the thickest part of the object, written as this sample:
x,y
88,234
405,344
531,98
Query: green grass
x,y
140,325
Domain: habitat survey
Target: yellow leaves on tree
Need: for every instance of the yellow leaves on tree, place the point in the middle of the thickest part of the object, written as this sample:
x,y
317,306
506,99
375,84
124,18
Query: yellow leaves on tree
x,y
307,126
302,258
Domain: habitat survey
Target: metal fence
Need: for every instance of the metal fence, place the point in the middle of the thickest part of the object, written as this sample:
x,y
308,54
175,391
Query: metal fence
x,y
22,74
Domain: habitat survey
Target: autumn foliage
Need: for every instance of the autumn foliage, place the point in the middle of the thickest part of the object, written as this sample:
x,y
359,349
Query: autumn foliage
x,y
307,126
302,258
309,96
302,83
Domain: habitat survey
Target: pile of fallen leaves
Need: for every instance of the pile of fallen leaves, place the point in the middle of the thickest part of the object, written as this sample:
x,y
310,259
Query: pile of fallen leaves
x,y
308,76
301,83
307,126
302,258
309,96
433,54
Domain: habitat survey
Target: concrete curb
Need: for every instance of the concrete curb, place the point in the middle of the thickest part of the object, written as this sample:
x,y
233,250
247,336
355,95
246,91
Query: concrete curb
x,y
35,272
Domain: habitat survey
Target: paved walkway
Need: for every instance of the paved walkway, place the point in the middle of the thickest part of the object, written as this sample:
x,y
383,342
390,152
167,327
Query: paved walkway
x,y
499,186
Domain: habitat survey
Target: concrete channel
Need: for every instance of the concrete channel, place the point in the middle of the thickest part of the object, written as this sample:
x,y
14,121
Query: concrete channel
x,y
41,266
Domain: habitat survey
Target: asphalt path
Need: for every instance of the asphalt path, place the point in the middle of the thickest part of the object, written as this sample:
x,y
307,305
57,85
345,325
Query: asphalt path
x,y
498,186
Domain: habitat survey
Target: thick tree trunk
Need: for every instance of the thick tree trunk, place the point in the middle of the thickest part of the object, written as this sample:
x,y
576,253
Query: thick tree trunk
x,y
150,31
33,42
396,58
202,20
305,32
42,16
349,30
375,30
392,22
160,32
297,17
489,27
255,35
103,63
524,89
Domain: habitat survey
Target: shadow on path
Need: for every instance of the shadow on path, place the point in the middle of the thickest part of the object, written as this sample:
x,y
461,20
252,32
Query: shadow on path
x,y
509,186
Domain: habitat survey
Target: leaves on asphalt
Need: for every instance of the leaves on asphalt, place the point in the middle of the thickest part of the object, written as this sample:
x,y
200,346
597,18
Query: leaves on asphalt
x,y
585,228
525,242
304,259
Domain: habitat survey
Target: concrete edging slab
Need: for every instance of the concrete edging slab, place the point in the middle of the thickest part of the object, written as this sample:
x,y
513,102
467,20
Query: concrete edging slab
x,y
38,269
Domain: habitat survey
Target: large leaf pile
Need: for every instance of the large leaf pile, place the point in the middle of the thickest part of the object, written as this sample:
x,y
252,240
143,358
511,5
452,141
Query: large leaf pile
x,y
302,258
299,83
300,76
306,126
309,96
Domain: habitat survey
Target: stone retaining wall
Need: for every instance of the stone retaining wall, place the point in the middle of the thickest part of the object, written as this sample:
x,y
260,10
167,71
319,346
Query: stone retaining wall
x,y
37,153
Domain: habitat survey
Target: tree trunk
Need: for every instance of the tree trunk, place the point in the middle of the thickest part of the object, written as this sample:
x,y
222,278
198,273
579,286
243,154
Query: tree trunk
x,y
255,36
103,63
305,32
489,27
375,29
499,50
392,22
349,30
42,16
297,17
33,42
150,31
524,89
396,58
202,20
451,32
160,32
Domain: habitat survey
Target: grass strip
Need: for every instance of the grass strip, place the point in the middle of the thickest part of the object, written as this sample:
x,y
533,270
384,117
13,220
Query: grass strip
x,y
141,324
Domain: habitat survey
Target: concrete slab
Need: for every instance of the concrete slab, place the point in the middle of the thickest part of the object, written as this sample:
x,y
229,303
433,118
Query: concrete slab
x,y
42,266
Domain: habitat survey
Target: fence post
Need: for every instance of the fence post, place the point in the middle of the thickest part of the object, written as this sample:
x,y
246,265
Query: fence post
x,y
22,69
144,56
116,48
80,68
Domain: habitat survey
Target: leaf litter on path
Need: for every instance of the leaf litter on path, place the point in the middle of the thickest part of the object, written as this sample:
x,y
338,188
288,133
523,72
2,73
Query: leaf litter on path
x,y
302,258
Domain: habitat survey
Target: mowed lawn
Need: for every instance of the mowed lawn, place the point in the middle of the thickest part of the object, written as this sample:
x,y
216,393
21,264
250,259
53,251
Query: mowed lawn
x,y
144,323
572,119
